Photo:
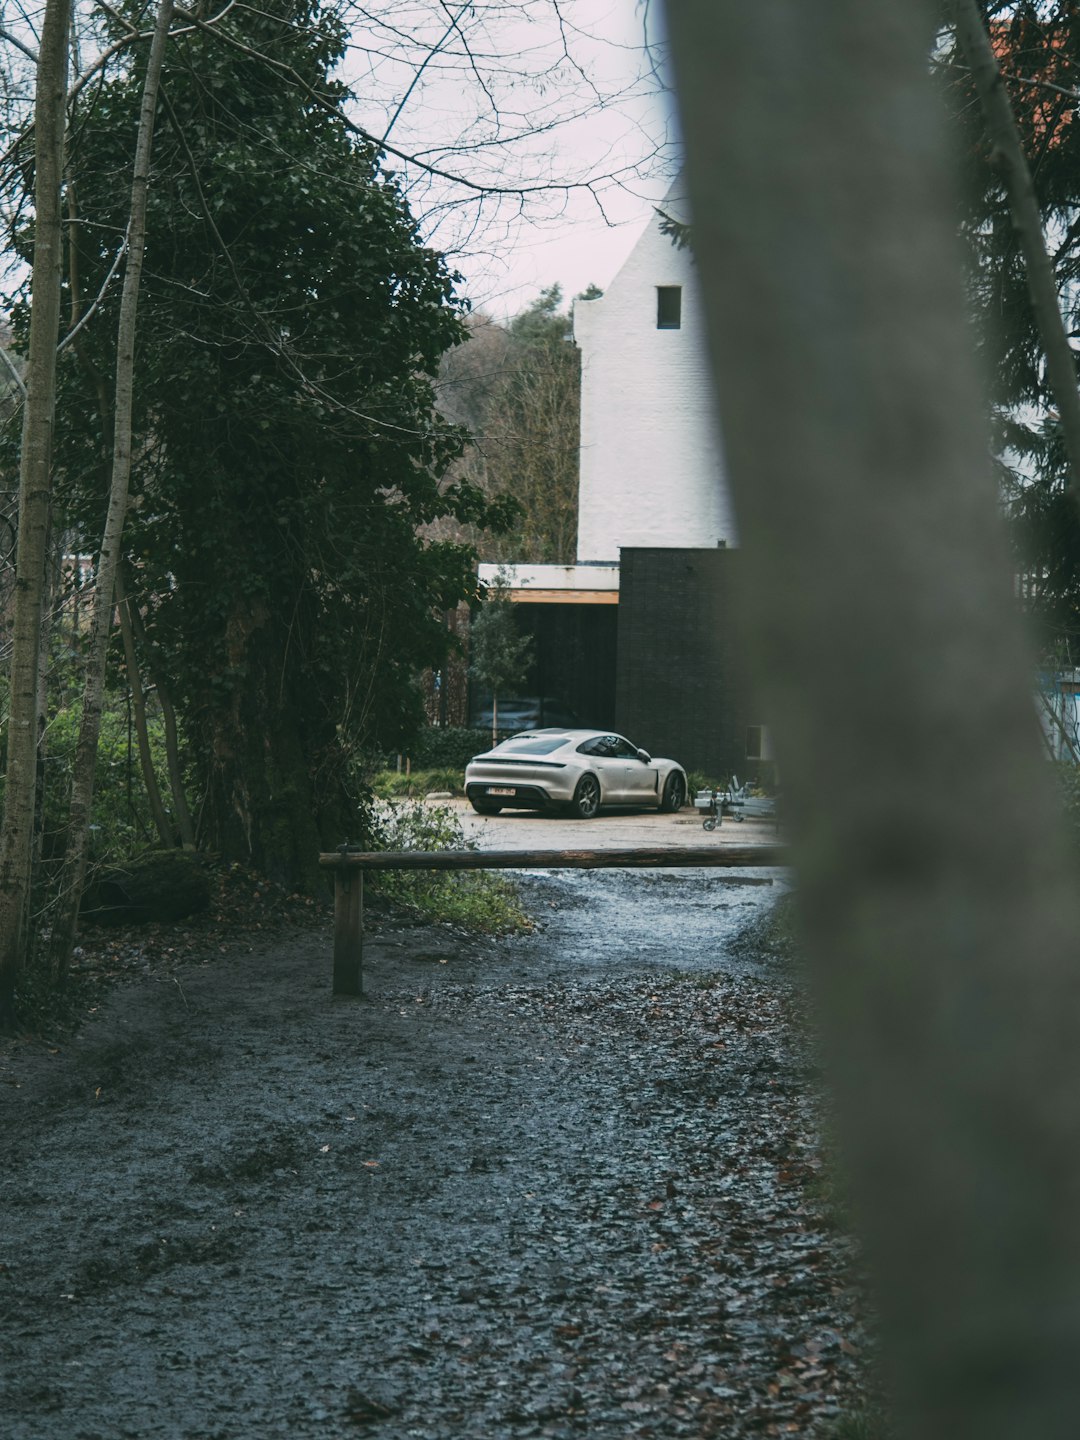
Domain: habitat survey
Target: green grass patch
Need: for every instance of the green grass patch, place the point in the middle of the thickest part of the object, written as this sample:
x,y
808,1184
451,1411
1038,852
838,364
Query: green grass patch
x,y
396,785
475,899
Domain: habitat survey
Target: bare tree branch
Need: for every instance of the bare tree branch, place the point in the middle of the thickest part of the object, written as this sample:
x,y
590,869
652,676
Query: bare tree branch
x,y
87,314
19,44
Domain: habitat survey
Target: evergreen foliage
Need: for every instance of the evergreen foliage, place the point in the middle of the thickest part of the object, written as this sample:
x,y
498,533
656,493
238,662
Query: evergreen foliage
x,y
500,654
291,326
1038,51
679,232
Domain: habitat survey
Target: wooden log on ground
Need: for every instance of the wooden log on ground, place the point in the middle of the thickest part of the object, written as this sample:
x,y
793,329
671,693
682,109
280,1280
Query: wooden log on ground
x,y
162,885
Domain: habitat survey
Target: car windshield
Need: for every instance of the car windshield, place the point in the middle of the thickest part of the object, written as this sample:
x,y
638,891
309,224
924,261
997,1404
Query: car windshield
x,y
533,744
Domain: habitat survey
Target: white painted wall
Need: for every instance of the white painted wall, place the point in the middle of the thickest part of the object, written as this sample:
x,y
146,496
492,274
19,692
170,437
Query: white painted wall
x,y
651,467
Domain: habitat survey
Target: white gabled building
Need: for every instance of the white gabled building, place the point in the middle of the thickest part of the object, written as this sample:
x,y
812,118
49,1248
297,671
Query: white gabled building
x,y
651,467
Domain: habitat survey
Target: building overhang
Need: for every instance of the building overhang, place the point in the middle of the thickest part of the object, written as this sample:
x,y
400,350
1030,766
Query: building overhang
x,y
556,584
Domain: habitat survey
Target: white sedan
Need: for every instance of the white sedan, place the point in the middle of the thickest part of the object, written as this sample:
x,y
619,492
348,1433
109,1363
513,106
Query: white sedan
x,y
578,770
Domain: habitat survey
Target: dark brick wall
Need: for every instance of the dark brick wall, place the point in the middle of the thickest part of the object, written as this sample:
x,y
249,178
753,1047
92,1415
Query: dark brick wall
x,y
573,661
574,657
681,688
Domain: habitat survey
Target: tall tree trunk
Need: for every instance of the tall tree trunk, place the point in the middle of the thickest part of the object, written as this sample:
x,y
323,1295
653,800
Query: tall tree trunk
x,y
54,581
138,700
63,937
262,805
974,43
940,911
35,484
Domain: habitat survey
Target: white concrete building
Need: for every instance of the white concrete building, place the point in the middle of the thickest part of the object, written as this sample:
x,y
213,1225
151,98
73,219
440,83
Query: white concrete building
x,y
651,466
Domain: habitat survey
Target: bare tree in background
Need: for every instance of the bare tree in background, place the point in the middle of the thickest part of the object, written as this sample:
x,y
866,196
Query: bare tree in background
x,y
551,110
517,388
491,115
940,913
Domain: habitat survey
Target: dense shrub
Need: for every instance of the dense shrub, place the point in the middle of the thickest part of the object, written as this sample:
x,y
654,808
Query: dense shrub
x,y
447,747
697,780
121,824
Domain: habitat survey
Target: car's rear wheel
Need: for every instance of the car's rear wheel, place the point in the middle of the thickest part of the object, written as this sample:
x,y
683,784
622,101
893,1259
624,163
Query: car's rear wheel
x,y
485,807
674,796
586,802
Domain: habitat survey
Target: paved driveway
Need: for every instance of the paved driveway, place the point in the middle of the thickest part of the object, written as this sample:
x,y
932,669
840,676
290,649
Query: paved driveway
x,y
613,829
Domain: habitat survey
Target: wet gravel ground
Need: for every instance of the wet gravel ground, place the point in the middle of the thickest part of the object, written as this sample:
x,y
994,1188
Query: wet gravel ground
x,y
555,1185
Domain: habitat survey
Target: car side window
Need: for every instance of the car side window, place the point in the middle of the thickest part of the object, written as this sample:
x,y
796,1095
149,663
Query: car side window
x,y
603,746
623,750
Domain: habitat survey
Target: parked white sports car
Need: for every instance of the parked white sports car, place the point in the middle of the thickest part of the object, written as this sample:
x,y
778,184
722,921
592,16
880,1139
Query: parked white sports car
x,y
576,769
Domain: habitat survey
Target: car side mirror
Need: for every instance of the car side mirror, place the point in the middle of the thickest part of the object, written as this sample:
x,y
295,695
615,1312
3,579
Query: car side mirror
x,y
644,757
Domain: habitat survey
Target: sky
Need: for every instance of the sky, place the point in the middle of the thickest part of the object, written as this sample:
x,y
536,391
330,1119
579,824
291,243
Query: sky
x,y
575,253
532,138
545,125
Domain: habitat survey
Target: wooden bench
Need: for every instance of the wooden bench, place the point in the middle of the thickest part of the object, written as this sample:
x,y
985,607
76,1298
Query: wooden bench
x,y
350,866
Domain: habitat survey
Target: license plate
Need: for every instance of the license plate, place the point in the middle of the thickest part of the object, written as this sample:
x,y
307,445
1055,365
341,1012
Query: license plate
x,y
500,790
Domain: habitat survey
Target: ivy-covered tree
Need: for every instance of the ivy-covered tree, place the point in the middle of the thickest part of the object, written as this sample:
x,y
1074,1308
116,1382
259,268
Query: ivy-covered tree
x,y
287,447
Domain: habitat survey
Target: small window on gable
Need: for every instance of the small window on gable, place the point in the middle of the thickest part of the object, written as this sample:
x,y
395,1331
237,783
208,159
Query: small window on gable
x,y
753,742
669,307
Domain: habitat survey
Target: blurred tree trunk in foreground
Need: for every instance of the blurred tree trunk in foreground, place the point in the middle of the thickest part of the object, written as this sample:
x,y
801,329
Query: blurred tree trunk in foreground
x,y
938,904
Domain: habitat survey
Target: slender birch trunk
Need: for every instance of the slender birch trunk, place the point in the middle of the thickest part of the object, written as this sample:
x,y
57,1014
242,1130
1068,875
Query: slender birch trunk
x,y
162,824
941,913
63,937
1011,162
35,486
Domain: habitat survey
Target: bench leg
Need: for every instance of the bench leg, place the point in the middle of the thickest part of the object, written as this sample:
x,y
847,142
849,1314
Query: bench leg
x,y
349,932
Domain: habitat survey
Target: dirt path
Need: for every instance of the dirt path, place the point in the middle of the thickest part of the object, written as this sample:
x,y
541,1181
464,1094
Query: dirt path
x,y
550,1186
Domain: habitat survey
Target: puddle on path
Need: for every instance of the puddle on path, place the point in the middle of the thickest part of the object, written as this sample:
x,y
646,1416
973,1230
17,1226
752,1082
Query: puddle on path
x,y
596,922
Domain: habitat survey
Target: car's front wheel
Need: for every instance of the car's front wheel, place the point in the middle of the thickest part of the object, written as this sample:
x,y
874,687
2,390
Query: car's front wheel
x,y
586,802
485,807
674,796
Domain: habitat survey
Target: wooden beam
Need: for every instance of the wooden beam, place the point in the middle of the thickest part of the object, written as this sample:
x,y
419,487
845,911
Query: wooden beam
x,y
727,857
526,595
349,867
349,933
